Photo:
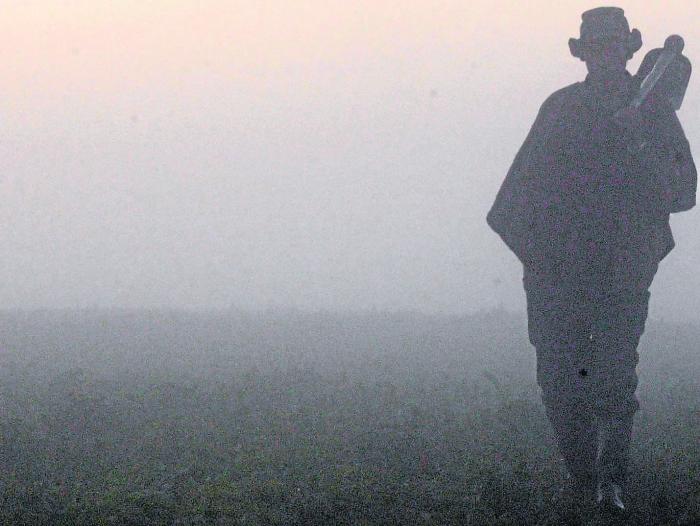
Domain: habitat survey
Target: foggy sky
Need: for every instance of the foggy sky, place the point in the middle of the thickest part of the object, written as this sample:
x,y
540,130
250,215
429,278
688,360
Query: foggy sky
x,y
315,154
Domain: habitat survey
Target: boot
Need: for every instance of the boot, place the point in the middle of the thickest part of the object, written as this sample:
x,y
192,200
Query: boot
x,y
577,502
609,496
615,435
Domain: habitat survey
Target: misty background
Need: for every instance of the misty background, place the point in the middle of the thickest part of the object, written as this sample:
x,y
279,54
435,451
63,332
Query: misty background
x,y
308,154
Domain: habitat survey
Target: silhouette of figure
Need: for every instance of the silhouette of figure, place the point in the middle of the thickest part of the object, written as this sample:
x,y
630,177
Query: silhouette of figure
x,y
585,207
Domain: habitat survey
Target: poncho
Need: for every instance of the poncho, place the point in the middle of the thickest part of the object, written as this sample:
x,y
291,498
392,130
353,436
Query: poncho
x,y
582,203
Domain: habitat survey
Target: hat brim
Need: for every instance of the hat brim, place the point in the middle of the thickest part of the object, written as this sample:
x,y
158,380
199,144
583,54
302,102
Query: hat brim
x,y
633,40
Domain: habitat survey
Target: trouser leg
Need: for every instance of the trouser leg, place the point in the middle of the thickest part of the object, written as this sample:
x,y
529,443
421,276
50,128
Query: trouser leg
x,y
558,325
614,448
583,378
617,336
570,413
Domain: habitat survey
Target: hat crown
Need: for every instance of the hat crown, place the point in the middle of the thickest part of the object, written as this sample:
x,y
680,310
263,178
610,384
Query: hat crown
x,y
604,22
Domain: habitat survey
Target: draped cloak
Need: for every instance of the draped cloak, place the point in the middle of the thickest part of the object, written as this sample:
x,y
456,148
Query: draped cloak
x,y
582,205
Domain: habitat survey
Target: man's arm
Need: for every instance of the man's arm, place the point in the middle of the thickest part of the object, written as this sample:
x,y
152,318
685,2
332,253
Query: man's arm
x,y
684,179
672,159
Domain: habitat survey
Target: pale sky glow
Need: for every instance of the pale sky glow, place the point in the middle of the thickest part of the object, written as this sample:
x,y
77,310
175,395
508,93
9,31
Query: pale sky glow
x,y
311,153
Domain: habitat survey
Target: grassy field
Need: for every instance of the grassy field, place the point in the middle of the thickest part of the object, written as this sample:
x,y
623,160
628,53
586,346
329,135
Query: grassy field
x,y
159,417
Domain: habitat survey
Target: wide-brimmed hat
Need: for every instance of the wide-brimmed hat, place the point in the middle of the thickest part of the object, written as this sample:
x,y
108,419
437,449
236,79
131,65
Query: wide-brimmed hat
x,y
605,23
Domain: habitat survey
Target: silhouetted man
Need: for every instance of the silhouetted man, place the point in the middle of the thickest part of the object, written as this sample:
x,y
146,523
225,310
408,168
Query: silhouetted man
x,y
585,207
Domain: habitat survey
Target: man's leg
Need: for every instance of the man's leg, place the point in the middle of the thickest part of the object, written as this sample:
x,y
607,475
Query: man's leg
x,y
614,450
563,379
616,338
559,326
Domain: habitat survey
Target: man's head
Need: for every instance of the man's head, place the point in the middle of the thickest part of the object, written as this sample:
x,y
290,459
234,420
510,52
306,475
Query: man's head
x,y
606,42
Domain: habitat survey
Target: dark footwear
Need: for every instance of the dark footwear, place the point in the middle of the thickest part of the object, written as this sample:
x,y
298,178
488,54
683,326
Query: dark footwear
x,y
610,496
577,502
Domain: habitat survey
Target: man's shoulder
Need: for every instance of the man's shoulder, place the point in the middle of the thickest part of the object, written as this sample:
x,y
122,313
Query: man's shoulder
x,y
562,96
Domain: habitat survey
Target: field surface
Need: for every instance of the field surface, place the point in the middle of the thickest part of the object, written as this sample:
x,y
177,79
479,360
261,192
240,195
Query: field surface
x,y
173,418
